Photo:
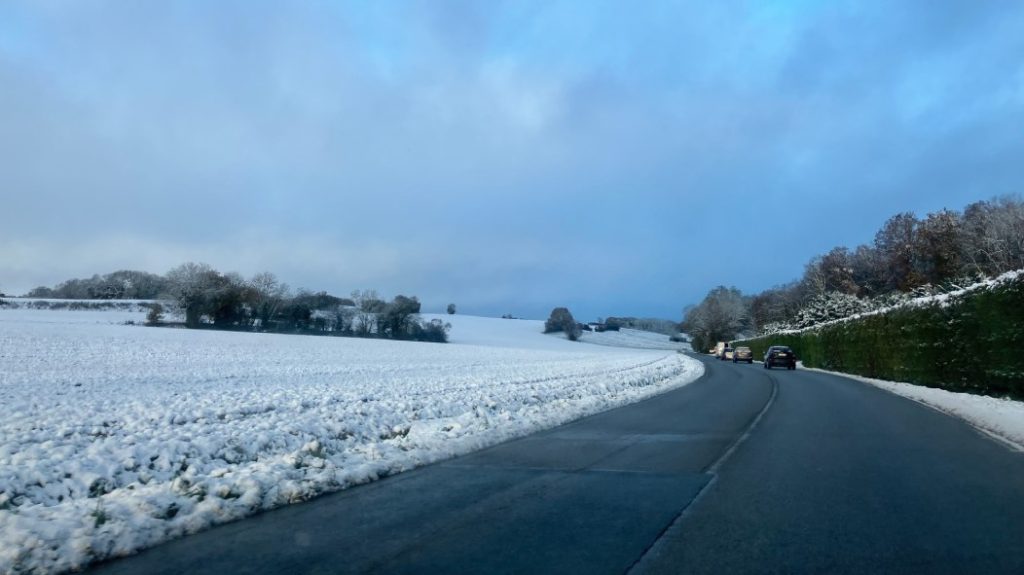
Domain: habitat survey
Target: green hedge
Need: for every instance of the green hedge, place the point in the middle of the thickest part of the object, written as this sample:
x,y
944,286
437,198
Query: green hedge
x,y
973,341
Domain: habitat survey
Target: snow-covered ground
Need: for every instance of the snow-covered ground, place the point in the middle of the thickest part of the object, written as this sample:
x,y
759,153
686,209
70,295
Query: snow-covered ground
x,y
633,338
116,437
1000,418
28,311
520,333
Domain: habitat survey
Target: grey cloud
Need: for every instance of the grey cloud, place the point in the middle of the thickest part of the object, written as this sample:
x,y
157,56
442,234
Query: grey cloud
x,y
499,151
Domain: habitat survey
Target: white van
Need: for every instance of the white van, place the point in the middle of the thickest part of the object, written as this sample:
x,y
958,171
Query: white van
x,y
723,351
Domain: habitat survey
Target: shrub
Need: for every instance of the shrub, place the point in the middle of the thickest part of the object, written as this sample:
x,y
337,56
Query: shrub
x,y
700,343
155,315
451,309
561,320
434,330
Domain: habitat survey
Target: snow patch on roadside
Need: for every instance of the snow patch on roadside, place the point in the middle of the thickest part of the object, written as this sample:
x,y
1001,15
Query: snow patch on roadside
x,y
1002,418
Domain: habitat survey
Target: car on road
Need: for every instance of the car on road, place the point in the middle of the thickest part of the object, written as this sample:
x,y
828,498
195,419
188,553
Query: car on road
x,y
779,355
742,353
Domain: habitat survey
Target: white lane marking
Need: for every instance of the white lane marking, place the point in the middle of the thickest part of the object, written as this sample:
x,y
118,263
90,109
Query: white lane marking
x,y
750,428
674,529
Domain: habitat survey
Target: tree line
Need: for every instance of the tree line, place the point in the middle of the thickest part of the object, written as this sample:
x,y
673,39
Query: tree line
x,y
122,284
657,325
909,257
207,298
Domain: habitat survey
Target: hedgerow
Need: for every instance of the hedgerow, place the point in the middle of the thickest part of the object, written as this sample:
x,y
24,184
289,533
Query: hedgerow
x,y
972,340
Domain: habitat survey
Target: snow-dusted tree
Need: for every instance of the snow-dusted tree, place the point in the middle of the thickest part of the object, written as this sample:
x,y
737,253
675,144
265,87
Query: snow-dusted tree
x,y
370,305
1008,224
368,301
837,265
344,317
719,317
398,317
993,236
938,246
228,300
155,315
561,320
832,272
268,295
41,292
774,327
867,271
133,284
189,284
895,246
775,306
976,248
829,306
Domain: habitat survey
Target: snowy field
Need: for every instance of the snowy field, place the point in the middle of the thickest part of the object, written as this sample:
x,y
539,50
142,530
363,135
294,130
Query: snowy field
x,y
116,437
28,311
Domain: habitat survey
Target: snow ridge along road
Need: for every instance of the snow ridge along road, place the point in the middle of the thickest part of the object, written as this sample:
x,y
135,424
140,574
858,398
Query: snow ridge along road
x,y
835,477
115,438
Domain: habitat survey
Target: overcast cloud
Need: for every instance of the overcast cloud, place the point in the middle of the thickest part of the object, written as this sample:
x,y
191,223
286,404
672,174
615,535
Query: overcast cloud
x,y
616,157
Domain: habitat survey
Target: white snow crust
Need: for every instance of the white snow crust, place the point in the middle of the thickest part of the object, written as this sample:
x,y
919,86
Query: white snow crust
x,y
114,437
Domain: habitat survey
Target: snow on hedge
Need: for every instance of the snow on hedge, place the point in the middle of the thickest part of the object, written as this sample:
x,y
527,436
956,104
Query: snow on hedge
x,y
114,437
845,304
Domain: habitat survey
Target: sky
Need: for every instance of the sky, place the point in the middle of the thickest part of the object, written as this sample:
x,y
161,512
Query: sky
x,y
618,158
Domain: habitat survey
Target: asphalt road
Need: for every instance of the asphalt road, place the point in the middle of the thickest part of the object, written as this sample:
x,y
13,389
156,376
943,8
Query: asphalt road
x,y
743,471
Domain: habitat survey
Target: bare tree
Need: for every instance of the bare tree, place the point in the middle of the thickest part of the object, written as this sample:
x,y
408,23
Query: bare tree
x,y
268,295
938,247
895,245
993,236
867,271
719,317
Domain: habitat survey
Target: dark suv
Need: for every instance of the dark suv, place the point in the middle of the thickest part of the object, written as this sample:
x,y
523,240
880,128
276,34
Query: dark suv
x,y
779,355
